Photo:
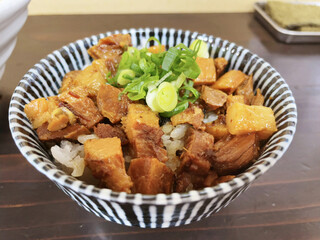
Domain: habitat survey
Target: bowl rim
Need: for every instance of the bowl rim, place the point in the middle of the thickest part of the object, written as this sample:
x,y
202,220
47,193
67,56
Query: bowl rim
x,y
242,180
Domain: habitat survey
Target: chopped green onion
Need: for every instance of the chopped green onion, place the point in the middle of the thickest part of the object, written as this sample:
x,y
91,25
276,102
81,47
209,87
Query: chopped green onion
x,y
194,92
167,97
151,100
202,50
180,80
153,39
125,76
181,106
161,79
169,59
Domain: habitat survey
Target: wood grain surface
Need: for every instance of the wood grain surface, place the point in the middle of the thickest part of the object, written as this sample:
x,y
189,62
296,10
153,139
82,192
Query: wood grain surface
x,y
282,204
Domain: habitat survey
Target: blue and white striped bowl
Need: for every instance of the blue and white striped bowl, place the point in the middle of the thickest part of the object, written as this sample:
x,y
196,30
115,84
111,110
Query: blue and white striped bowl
x,y
151,211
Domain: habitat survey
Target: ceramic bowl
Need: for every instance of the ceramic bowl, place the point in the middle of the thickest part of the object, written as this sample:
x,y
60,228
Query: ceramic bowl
x,y
151,211
13,15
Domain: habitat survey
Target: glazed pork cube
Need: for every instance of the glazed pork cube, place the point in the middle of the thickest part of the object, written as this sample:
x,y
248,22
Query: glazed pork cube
x,y
81,106
242,119
231,99
71,132
144,133
233,153
107,131
187,181
192,115
246,90
105,159
198,151
92,78
110,47
212,97
258,99
208,71
39,111
218,129
68,81
229,81
110,105
150,176
220,64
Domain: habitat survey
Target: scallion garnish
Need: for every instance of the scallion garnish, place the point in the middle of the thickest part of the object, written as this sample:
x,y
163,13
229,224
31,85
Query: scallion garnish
x,y
161,79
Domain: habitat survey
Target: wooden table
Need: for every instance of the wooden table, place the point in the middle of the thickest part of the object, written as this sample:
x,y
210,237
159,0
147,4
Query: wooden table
x,y
282,204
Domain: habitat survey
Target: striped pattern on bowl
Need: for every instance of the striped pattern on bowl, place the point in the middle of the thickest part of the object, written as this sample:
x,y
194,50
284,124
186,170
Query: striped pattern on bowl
x,y
151,211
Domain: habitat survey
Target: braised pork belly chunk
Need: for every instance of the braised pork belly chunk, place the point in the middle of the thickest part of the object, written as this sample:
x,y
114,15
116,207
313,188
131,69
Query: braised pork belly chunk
x,y
220,65
195,160
153,121
71,132
108,131
111,105
150,176
233,153
105,159
246,90
110,47
81,106
192,115
213,98
144,133
198,152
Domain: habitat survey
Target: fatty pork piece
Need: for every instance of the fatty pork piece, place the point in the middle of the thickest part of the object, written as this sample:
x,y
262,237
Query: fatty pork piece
x,y
198,152
71,132
208,71
220,64
107,131
144,133
229,81
41,111
192,115
111,49
92,77
83,107
246,90
110,105
231,99
258,99
187,181
218,129
233,153
150,176
212,97
105,159
242,119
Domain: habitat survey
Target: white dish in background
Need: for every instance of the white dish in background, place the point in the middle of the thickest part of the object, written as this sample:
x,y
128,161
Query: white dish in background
x,y
13,14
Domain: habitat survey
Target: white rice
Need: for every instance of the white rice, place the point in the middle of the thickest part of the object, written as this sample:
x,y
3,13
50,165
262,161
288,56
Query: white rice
x,y
83,138
70,155
173,140
210,117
